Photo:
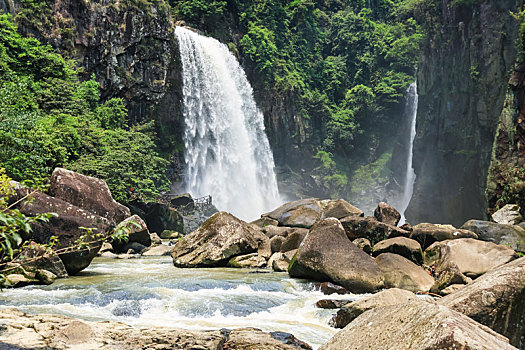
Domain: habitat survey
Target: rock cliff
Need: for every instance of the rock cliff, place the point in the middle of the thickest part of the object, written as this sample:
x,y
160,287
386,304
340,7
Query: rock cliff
x,y
466,60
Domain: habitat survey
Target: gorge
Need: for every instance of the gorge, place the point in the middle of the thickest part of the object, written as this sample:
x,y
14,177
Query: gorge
x,y
392,131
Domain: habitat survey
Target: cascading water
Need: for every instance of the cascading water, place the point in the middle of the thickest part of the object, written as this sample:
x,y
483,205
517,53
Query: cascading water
x,y
410,176
228,155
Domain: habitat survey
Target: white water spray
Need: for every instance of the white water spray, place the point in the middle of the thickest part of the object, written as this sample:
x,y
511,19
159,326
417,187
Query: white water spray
x,y
228,155
410,176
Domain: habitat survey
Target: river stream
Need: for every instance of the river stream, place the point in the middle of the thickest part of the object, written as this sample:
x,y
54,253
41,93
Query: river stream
x,y
151,292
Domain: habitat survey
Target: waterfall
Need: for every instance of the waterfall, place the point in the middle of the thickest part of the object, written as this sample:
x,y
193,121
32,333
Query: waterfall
x,y
227,155
410,176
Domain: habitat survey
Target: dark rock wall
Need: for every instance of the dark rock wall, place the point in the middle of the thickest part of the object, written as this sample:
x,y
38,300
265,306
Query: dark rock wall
x,y
506,178
462,77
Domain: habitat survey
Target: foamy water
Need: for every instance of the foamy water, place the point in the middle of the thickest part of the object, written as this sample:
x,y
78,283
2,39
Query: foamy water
x,y
151,292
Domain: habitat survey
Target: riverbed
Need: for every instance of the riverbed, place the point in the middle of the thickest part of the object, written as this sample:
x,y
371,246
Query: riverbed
x,y
151,292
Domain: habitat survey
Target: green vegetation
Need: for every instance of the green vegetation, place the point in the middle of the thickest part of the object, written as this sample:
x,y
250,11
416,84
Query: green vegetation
x,y
346,63
49,119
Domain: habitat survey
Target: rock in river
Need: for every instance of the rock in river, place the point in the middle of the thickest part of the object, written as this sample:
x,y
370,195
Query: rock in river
x,y
220,238
327,254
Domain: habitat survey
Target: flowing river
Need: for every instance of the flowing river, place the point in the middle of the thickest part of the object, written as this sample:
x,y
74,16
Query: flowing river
x,y
151,292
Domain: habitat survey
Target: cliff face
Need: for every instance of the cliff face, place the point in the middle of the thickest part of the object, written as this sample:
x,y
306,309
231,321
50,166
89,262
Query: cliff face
x,y
466,61
129,46
506,178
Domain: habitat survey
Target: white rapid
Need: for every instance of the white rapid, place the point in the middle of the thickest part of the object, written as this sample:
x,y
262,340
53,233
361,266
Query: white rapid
x,y
410,176
228,155
150,292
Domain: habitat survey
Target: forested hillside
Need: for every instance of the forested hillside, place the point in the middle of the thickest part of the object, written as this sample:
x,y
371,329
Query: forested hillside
x,y
48,119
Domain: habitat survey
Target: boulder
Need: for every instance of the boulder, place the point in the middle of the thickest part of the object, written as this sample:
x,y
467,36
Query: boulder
x,y
363,244
271,231
496,299
326,254
182,201
160,217
511,235
302,213
16,280
106,247
88,193
448,275
168,234
371,229
472,257
36,257
109,255
426,234
508,215
155,239
451,289
403,246
387,214
67,226
157,250
265,249
45,277
220,238
350,311
134,248
338,208
293,240
253,338
276,242
329,288
417,325
252,260
400,272
280,261
331,303
137,233
265,221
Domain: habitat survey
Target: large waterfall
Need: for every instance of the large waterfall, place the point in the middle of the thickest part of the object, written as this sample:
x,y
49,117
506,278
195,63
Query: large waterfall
x,y
410,176
228,155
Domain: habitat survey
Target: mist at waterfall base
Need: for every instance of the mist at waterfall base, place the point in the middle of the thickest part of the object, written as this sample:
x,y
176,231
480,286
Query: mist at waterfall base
x,y
410,175
227,154
150,292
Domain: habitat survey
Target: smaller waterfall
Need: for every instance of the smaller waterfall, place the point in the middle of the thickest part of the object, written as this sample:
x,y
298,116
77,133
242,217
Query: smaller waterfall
x,y
410,176
228,155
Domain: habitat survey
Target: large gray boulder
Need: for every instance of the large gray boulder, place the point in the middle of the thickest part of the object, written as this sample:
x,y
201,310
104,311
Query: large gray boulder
x,y
339,208
220,238
509,215
138,233
387,214
511,235
371,229
67,226
350,311
326,254
426,233
497,300
472,257
403,246
417,325
88,193
302,213
400,272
